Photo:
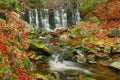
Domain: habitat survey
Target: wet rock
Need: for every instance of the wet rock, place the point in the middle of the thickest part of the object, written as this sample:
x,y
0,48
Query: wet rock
x,y
81,59
91,58
57,31
102,56
115,32
116,64
39,48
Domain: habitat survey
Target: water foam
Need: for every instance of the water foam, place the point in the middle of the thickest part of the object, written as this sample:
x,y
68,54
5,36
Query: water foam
x,y
56,65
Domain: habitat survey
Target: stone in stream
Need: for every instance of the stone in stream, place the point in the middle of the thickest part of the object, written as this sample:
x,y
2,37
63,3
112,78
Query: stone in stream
x,y
115,32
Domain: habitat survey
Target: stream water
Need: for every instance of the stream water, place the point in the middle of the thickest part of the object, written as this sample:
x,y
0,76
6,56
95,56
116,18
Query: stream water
x,y
72,70
66,69
82,71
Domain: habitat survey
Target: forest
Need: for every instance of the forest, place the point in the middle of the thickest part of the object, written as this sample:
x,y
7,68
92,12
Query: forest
x,y
59,39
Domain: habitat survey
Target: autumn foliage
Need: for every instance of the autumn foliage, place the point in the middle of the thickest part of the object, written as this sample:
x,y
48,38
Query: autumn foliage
x,y
13,42
108,11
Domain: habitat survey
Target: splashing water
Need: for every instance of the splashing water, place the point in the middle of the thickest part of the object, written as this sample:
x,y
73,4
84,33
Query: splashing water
x,y
56,65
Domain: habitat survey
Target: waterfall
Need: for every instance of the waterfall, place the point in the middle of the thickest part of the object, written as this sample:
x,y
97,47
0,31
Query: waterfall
x,y
64,18
36,19
33,18
77,17
60,18
45,19
57,18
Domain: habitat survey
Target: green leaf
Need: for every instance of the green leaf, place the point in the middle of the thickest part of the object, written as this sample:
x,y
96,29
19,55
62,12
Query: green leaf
x,y
8,44
17,63
26,62
1,57
2,70
1,20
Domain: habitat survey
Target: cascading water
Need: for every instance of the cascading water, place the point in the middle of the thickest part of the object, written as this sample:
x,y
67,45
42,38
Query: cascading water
x,y
57,18
59,66
60,18
45,19
33,18
77,17
64,18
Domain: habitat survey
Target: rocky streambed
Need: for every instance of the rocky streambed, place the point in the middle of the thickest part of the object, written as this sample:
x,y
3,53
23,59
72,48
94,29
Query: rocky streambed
x,y
75,57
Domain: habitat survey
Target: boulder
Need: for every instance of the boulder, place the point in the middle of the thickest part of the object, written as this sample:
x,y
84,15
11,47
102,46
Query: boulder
x,y
29,29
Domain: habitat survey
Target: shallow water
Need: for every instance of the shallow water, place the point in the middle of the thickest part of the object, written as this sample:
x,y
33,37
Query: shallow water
x,y
68,70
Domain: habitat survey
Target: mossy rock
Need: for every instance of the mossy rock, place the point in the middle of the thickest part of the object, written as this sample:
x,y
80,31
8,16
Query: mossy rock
x,y
38,47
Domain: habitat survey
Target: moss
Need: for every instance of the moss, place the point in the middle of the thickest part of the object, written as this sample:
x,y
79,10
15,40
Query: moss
x,y
8,4
1,20
36,3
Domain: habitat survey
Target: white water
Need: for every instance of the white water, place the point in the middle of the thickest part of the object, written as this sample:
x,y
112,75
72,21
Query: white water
x,y
60,17
36,19
77,17
33,18
56,65
45,19
40,18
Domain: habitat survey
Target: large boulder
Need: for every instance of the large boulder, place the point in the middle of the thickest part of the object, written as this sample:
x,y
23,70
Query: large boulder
x,y
29,29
